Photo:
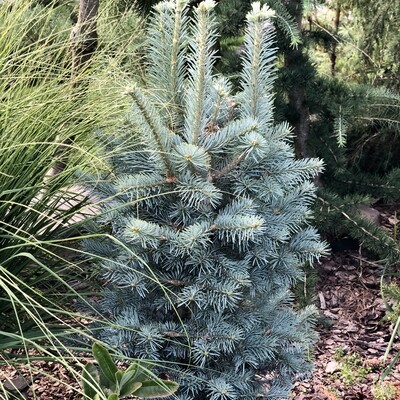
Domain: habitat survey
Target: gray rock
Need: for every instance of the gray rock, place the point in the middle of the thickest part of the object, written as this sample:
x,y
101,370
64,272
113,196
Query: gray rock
x,y
370,213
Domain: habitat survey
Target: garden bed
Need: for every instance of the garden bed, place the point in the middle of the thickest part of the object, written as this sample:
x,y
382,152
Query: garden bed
x,y
348,356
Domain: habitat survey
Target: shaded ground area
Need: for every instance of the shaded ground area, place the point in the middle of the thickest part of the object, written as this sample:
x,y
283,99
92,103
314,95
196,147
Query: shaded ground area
x,y
353,337
45,380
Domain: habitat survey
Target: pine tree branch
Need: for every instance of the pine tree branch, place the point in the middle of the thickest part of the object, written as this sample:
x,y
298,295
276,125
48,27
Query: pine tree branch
x,y
257,76
157,135
361,228
340,39
200,82
200,71
227,169
175,50
175,282
167,44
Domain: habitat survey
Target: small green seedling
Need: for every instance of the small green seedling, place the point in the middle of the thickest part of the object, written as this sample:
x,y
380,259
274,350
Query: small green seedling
x,y
351,369
108,382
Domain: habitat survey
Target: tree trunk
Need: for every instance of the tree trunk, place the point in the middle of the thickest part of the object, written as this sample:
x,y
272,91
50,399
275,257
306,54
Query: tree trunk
x,y
84,36
294,61
334,44
301,122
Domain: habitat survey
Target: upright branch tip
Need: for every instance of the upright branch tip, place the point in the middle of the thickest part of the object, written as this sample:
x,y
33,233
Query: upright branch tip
x,y
130,89
165,5
260,13
206,5
170,4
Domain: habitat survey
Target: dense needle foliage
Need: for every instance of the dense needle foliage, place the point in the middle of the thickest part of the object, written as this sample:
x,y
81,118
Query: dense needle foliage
x,y
211,211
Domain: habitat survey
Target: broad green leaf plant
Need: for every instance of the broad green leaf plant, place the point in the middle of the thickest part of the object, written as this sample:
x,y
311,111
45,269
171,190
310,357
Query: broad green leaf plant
x,y
107,381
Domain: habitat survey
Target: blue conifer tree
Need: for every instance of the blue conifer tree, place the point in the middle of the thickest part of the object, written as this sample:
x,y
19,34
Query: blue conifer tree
x,y
211,211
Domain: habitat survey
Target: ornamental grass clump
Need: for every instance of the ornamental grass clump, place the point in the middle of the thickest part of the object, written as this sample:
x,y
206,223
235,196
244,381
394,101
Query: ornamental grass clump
x,y
45,117
210,218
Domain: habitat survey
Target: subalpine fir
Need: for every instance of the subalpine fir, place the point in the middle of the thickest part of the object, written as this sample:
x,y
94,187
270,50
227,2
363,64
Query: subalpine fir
x,y
210,214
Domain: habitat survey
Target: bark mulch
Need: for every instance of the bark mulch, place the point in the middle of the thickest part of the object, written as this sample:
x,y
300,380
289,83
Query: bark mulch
x,y
354,335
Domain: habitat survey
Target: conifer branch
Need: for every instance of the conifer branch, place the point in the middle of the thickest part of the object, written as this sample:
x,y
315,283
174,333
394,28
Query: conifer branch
x,y
219,141
175,334
176,282
257,75
161,138
255,64
176,45
167,46
200,71
394,248
200,81
227,169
